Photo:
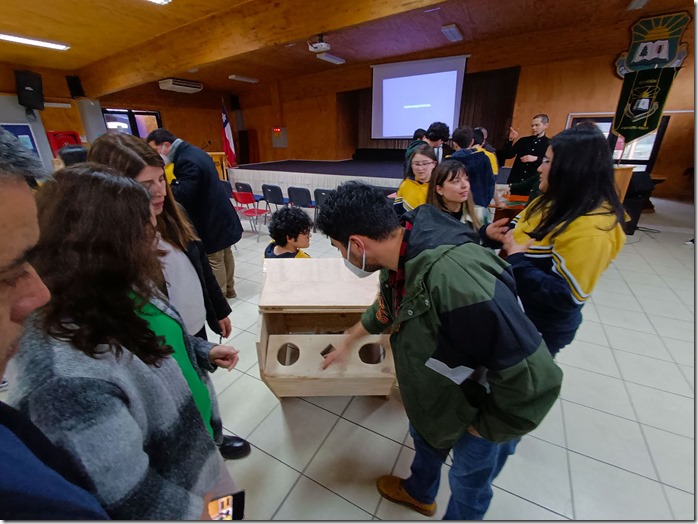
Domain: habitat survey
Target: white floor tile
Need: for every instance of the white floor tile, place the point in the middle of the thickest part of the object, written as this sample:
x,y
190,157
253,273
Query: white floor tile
x,y
596,391
608,438
388,510
385,417
246,289
245,343
222,379
507,507
309,500
666,308
245,404
266,482
552,428
635,277
350,461
663,410
336,405
678,282
293,432
683,504
244,315
612,285
674,456
622,318
651,372
589,312
538,472
590,357
592,332
612,299
603,492
669,327
647,344
682,351
647,291
690,374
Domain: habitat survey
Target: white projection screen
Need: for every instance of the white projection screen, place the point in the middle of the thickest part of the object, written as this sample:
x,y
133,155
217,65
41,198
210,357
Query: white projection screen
x,y
410,95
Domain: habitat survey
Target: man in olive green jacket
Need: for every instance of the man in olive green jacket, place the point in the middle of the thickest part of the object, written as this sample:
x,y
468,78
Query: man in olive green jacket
x,y
474,373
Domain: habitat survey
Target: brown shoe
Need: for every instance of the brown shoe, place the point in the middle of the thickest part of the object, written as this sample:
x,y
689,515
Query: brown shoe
x,y
390,487
231,294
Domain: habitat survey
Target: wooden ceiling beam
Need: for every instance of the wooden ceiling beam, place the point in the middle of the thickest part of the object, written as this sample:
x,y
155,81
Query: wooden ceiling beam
x,y
239,30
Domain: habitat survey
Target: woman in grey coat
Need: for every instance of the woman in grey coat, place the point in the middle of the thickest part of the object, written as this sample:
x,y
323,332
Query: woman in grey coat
x,y
107,371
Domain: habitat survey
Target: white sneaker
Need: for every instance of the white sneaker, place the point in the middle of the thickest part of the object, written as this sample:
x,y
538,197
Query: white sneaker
x,y
4,384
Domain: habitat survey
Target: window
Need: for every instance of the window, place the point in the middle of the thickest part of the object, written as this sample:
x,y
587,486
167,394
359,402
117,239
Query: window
x,y
131,121
641,153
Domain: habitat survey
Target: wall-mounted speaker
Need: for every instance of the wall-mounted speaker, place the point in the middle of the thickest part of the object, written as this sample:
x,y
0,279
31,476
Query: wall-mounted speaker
x,y
74,86
30,92
234,103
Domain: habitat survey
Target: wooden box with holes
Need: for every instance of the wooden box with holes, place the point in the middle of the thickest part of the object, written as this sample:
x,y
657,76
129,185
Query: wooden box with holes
x,y
305,306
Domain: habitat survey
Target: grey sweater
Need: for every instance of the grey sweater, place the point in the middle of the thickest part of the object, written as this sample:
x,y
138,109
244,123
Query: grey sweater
x,y
133,430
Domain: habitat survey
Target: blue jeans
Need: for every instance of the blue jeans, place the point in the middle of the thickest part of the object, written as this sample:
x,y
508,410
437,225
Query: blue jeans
x,y
476,463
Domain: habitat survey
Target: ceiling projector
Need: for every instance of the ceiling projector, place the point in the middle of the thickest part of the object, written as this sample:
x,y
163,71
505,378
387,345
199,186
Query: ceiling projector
x,y
318,47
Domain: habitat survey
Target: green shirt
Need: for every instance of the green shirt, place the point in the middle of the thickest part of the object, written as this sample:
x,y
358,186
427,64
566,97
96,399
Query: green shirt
x,y
167,327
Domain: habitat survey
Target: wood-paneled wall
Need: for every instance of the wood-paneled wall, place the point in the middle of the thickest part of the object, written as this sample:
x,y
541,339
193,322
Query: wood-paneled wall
x,y
589,85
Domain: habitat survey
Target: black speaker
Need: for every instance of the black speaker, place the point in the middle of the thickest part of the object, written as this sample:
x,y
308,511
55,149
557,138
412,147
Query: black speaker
x,y
234,103
74,86
30,91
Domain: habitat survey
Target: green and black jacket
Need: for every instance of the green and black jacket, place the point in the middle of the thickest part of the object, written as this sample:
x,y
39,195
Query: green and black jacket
x,y
465,352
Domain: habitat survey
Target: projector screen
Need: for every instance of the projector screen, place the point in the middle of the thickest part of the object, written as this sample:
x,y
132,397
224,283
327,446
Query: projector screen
x,y
410,95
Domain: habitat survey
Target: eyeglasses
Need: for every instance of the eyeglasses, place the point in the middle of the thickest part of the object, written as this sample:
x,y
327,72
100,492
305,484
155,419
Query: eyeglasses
x,y
423,164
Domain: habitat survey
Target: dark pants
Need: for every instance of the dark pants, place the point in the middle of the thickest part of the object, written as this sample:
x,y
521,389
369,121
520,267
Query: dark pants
x,y
476,463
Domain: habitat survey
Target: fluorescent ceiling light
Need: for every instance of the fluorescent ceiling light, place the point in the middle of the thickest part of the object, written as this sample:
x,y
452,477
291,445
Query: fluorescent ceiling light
x,y
452,33
241,78
31,41
637,4
160,2
63,105
330,58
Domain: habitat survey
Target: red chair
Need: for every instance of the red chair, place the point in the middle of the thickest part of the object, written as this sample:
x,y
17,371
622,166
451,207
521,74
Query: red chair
x,y
247,208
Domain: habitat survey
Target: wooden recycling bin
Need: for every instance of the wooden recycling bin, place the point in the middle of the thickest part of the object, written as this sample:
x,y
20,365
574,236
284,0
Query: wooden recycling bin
x,y
305,306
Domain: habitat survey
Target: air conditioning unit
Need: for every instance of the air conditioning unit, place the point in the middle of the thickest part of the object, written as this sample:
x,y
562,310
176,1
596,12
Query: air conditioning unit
x,y
179,85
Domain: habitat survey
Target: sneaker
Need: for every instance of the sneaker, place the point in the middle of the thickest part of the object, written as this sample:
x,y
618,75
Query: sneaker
x,y
390,487
4,384
231,294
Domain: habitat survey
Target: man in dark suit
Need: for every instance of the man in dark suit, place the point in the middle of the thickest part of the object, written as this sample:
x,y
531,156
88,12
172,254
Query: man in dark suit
x,y
529,151
198,189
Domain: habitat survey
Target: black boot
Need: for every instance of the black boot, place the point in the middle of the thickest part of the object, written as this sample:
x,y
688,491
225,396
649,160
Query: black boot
x,y
234,448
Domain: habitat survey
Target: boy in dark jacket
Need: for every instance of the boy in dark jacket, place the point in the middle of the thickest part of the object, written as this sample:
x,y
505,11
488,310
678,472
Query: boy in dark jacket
x,y
474,373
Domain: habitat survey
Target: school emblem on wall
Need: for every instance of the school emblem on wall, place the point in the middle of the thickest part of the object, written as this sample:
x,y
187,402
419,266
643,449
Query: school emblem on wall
x,y
655,43
648,69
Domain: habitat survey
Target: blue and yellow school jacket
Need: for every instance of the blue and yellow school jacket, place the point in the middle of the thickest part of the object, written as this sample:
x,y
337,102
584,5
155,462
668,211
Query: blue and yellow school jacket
x,y
269,252
555,277
410,195
464,351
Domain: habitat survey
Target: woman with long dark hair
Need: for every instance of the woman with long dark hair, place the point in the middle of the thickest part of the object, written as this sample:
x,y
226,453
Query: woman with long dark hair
x,y
107,370
412,192
449,191
566,238
189,283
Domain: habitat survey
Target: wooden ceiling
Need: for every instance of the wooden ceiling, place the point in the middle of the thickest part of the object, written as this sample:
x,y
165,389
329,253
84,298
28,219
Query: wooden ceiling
x,y
119,44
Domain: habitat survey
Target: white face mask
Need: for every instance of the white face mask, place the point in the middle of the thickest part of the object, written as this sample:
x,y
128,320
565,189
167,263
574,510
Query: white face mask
x,y
359,272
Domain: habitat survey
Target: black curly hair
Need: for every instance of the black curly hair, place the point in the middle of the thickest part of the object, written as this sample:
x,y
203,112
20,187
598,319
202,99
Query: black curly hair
x,y
288,222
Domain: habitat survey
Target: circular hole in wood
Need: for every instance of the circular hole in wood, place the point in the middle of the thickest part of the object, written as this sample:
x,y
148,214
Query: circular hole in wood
x,y
288,354
372,353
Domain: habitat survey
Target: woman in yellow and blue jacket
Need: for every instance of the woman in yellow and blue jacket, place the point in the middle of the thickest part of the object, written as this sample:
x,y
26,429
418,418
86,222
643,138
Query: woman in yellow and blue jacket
x,y
566,238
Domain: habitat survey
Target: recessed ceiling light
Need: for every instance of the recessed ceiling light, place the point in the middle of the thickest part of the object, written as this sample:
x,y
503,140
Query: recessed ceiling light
x,y
241,78
192,70
433,10
637,4
160,2
31,41
290,44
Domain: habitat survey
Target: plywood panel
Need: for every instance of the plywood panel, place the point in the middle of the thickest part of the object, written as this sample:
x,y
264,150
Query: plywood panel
x,y
63,119
319,284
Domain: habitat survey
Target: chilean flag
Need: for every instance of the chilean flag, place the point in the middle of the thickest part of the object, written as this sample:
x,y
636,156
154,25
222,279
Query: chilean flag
x,y
228,144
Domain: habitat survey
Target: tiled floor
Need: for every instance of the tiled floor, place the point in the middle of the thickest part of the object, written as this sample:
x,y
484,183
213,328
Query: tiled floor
x,y
619,444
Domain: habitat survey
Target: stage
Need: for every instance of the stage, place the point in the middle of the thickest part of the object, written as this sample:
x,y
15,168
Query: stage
x,y
313,174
